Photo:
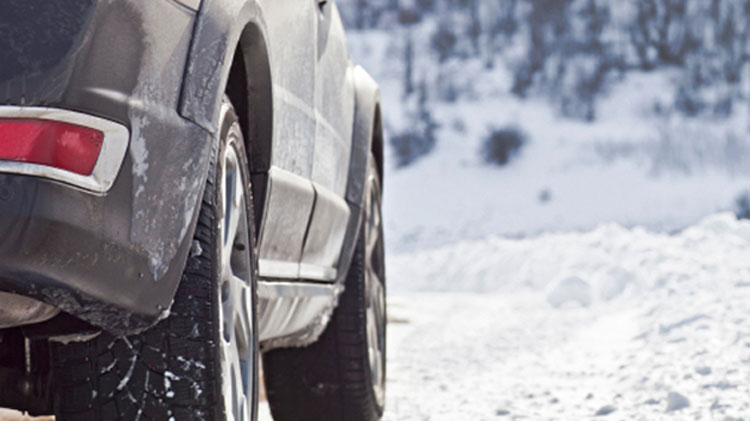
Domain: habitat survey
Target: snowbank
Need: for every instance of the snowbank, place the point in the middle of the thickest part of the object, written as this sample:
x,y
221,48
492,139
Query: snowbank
x,y
603,264
615,323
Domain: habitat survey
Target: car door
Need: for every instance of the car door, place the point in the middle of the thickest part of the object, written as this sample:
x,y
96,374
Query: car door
x,y
334,110
291,28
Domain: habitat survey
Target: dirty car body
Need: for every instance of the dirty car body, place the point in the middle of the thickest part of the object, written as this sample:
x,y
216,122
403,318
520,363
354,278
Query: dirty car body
x,y
121,122
151,75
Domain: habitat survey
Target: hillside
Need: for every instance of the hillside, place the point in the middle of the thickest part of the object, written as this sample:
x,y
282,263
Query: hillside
x,y
610,116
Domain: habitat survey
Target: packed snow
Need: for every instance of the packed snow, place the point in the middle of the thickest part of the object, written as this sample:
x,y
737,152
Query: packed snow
x,y
617,323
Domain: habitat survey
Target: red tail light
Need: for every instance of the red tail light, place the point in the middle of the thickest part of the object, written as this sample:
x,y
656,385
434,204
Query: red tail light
x,y
65,146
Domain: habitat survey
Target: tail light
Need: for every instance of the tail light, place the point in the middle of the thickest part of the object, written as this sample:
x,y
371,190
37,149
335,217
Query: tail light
x,y
75,148
61,145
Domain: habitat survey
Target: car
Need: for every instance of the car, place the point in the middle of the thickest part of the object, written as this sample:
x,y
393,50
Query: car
x,y
188,187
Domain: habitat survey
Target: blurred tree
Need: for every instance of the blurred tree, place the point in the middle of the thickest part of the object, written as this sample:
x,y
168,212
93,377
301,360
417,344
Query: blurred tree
x,y
408,64
419,136
474,30
569,51
443,42
547,24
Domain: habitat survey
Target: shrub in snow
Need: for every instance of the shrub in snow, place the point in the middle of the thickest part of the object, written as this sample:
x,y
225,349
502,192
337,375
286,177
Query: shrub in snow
x,y
703,371
544,196
502,145
688,102
742,205
605,410
418,139
410,146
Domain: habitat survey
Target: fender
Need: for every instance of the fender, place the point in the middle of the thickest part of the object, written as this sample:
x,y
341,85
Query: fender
x,y
366,131
218,29
221,27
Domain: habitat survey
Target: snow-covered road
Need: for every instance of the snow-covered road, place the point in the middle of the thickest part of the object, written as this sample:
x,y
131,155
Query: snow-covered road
x,y
621,323
482,357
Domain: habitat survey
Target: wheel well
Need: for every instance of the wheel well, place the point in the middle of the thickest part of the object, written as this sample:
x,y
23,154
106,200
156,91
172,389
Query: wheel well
x,y
249,89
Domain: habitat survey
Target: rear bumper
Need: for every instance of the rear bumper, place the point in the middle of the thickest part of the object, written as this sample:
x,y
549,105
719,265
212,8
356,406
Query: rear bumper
x,y
71,249
110,252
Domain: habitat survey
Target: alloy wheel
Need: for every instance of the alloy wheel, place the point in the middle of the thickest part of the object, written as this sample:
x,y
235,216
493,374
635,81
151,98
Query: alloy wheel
x,y
235,295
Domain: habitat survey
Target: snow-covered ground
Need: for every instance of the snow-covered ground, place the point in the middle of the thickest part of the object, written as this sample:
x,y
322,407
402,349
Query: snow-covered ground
x,y
661,173
581,279
639,162
621,323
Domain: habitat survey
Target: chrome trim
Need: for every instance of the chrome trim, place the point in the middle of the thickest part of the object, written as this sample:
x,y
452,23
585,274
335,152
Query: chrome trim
x,y
111,157
293,313
316,273
274,269
277,269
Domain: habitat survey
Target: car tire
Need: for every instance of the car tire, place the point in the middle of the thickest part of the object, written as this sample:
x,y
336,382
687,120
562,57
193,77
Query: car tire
x,y
201,361
341,377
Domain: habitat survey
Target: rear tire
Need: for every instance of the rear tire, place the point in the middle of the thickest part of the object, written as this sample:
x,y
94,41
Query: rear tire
x,y
341,377
201,361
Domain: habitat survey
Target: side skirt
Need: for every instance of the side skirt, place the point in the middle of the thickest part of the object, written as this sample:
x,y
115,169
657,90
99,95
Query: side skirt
x,y
294,313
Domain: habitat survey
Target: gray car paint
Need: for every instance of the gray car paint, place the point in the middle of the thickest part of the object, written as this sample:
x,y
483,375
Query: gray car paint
x,y
160,68
112,259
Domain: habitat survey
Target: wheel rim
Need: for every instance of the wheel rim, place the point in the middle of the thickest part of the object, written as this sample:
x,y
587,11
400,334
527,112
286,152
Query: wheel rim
x,y
374,287
235,292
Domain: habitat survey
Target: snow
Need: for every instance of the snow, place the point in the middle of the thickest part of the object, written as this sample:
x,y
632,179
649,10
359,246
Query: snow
x,y
652,326
605,410
621,170
676,402
664,333
640,163
124,381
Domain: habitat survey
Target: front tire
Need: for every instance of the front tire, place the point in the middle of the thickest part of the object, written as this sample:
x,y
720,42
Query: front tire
x,y
201,361
341,377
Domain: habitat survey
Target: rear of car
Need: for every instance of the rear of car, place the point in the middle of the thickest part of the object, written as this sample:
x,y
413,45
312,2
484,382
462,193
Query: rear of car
x,y
141,205
88,120
101,181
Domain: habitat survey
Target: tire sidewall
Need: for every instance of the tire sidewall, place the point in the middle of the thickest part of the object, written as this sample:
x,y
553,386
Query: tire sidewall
x,y
373,174
230,130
